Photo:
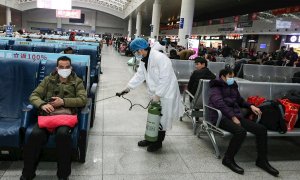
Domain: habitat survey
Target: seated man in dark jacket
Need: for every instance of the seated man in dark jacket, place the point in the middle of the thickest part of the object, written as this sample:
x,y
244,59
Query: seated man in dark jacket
x,y
224,95
61,88
201,72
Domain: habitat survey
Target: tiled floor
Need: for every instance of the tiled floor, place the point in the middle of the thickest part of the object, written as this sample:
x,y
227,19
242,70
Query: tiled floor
x,y
113,153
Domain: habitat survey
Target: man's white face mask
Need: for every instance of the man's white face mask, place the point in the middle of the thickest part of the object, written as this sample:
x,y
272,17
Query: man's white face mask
x,y
64,73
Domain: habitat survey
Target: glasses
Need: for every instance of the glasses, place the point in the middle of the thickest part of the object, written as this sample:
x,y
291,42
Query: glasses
x,y
64,67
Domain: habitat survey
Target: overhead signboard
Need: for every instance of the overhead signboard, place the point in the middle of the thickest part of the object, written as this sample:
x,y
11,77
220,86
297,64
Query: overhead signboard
x,y
74,14
283,24
245,24
234,37
263,46
292,39
9,30
212,38
55,4
226,29
181,23
252,38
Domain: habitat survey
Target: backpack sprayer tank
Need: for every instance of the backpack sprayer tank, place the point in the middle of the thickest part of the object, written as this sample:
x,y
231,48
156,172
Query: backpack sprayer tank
x,y
153,121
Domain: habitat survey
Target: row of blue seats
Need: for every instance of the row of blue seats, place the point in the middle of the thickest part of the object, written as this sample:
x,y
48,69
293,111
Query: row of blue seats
x,y
94,55
17,117
47,49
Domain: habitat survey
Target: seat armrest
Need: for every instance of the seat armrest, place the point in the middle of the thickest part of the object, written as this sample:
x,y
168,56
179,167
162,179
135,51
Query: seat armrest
x,y
189,93
219,114
93,76
93,90
84,117
28,115
98,68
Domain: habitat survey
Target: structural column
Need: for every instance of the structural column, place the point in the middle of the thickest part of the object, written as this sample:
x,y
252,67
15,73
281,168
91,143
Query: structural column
x,y
156,19
186,21
8,16
129,27
94,22
59,23
138,24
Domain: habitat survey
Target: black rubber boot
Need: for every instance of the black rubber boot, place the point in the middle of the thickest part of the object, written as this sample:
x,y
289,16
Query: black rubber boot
x,y
144,143
158,144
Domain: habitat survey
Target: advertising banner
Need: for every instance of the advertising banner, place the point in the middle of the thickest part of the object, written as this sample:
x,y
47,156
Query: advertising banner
x,y
193,44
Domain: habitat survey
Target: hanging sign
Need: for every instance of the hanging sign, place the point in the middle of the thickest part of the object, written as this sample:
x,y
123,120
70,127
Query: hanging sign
x,y
181,23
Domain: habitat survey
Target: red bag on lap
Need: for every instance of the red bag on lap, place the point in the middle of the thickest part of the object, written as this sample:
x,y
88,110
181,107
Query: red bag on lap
x,y
256,100
291,113
52,122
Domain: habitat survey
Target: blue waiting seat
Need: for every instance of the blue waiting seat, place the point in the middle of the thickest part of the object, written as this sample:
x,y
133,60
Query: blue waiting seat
x,y
3,47
22,48
95,69
11,42
80,132
59,50
46,49
18,80
94,63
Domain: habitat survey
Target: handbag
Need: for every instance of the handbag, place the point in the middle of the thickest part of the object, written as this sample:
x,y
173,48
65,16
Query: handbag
x,y
59,117
291,112
52,122
61,110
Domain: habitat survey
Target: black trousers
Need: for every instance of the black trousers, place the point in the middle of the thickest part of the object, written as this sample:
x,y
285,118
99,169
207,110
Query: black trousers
x,y
239,134
37,140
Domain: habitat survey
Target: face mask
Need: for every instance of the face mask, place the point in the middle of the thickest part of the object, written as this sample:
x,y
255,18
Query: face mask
x,y
64,73
137,56
230,81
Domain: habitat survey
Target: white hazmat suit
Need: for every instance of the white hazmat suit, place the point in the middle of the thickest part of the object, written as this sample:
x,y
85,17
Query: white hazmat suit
x,y
162,82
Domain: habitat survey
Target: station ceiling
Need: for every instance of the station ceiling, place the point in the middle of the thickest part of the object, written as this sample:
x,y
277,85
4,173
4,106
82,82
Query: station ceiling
x,y
213,9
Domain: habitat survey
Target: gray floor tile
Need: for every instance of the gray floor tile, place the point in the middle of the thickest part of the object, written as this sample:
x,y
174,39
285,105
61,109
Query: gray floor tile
x,y
123,156
125,122
93,164
1,173
149,177
15,177
86,177
228,176
4,165
14,169
196,155
286,175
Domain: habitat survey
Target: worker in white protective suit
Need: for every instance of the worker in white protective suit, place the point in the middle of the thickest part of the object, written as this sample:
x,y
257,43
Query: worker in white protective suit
x,y
157,46
156,69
